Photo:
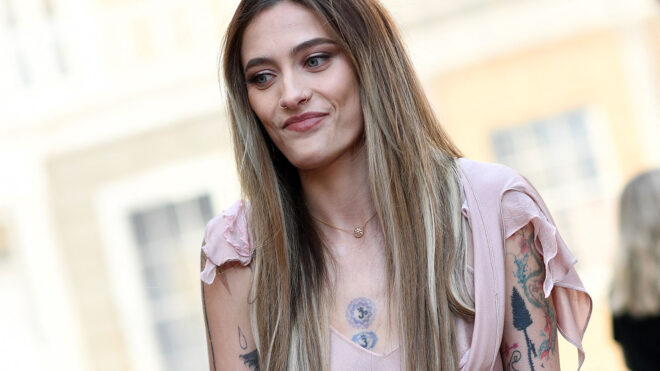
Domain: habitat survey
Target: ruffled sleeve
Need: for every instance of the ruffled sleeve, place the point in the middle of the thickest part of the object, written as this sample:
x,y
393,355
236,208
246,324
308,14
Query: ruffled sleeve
x,y
227,239
572,303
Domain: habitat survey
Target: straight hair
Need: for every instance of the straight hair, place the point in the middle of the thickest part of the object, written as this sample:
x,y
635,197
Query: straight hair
x,y
413,180
636,285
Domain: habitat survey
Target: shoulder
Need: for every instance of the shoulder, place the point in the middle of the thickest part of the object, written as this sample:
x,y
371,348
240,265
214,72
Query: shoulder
x,y
489,181
227,239
487,170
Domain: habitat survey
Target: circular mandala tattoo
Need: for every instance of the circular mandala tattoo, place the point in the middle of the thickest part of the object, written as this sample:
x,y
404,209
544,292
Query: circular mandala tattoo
x,y
360,313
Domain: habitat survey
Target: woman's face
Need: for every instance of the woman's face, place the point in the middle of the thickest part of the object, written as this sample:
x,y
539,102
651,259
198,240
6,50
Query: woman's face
x,y
302,86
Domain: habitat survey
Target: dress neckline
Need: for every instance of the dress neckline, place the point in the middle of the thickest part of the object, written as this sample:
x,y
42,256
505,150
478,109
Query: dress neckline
x,y
343,338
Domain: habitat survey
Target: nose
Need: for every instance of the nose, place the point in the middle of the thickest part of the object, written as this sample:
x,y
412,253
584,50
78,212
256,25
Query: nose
x,y
294,94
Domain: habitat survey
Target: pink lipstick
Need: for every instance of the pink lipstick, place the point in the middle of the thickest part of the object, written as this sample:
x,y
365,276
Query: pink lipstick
x,y
304,122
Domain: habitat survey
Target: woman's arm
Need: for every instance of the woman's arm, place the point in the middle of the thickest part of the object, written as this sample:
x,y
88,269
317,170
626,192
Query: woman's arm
x,y
529,339
227,318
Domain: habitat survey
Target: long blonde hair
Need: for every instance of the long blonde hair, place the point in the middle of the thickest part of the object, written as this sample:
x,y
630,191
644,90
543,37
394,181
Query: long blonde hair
x,y
636,286
414,183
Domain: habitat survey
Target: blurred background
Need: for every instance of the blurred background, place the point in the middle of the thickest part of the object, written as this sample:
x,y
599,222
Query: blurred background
x,y
114,152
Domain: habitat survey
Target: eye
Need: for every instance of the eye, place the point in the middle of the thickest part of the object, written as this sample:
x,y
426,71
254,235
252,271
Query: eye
x,y
316,60
261,79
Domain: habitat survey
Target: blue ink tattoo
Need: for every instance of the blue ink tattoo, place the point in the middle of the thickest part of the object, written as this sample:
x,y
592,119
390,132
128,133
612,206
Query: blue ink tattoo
x,y
360,313
532,285
251,360
522,320
365,339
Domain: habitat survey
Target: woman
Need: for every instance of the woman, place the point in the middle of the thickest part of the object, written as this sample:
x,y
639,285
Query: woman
x,y
635,296
362,246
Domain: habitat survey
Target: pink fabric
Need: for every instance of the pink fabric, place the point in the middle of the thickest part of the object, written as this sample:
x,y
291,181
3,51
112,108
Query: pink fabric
x,y
347,355
498,202
226,239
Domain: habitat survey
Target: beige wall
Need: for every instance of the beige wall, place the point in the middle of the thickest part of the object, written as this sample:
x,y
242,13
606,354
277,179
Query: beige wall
x,y
585,71
653,30
75,179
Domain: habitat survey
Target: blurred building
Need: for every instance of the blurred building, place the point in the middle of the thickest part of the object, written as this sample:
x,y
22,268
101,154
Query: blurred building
x,y
114,152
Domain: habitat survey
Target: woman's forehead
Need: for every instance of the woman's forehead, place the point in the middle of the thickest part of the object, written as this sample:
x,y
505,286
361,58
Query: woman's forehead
x,y
279,29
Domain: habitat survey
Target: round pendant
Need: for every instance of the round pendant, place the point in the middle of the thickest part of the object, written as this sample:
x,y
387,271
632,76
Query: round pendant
x,y
358,232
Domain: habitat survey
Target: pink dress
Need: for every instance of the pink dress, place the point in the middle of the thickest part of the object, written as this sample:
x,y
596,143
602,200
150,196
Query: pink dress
x,y
497,203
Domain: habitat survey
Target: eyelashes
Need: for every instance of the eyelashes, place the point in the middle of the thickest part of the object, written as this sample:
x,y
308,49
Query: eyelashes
x,y
260,78
317,60
313,63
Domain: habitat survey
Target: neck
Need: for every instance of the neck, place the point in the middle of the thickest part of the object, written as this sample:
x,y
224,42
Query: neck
x,y
339,192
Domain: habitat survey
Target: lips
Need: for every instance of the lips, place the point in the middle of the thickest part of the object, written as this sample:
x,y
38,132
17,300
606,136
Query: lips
x,y
304,122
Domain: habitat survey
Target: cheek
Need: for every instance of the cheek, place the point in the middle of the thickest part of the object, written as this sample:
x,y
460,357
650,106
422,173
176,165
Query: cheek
x,y
352,101
262,107
346,92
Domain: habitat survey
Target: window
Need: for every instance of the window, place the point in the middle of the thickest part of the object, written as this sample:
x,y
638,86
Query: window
x,y
55,39
554,153
30,37
168,238
4,244
16,64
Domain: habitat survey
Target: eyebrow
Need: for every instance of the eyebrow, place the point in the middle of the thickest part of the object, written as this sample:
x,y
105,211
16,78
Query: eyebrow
x,y
297,49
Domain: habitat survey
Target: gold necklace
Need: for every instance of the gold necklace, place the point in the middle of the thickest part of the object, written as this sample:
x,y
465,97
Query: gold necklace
x,y
357,232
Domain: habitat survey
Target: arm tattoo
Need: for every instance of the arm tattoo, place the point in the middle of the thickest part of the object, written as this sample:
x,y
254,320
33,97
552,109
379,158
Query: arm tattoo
x,y
251,359
522,320
507,349
531,282
206,319
242,342
223,279
515,358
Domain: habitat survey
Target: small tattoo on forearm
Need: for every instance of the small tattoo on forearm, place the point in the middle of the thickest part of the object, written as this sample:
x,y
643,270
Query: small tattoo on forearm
x,y
221,275
365,339
508,349
242,341
515,358
360,313
251,359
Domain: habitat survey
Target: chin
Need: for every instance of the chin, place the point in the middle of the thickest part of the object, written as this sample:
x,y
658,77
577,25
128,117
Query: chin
x,y
307,165
309,161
